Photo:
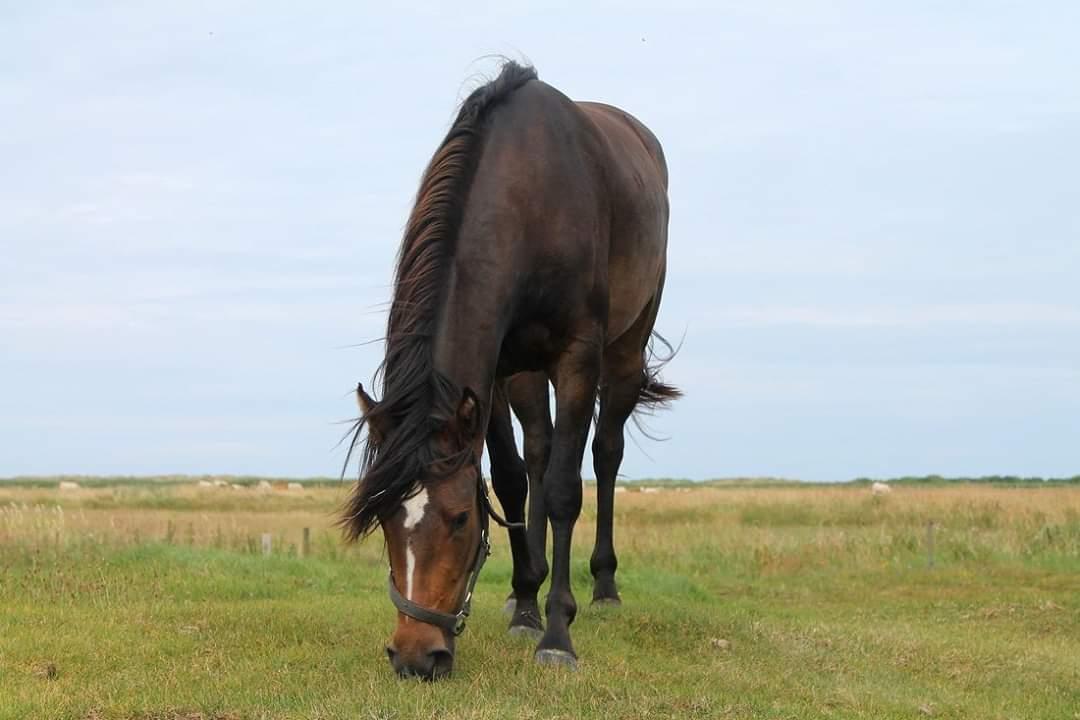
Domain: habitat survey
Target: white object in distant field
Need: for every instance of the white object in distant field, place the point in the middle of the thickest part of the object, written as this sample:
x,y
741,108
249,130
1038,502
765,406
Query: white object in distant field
x,y
880,488
296,487
68,485
236,486
620,488
220,483
205,484
264,486
650,490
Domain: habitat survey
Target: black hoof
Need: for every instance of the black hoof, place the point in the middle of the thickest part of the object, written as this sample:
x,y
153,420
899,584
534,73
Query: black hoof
x,y
524,631
558,658
607,601
526,621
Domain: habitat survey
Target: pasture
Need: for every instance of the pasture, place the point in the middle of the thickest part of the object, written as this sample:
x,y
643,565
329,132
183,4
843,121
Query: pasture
x,y
140,600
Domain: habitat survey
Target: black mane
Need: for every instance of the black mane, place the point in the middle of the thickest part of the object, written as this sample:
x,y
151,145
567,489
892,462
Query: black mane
x,y
416,398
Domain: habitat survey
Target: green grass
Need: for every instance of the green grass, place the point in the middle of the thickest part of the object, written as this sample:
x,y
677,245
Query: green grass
x,y
822,598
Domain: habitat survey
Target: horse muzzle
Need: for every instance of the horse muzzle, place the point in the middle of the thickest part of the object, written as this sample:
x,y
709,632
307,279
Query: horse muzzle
x,y
434,663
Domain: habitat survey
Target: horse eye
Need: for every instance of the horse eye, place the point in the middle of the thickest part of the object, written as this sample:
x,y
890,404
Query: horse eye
x,y
460,519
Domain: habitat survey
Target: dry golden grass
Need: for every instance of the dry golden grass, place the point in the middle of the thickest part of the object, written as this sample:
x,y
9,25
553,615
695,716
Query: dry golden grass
x,y
776,528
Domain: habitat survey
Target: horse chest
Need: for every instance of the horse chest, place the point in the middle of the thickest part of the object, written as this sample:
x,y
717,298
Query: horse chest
x,y
531,346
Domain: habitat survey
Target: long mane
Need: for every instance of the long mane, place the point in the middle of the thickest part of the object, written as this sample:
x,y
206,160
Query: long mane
x,y
416,399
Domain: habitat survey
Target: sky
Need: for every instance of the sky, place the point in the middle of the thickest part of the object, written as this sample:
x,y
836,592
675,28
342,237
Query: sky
x,y
874,258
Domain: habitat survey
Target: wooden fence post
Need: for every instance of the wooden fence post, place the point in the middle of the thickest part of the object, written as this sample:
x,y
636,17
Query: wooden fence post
x,y
266,543
305,547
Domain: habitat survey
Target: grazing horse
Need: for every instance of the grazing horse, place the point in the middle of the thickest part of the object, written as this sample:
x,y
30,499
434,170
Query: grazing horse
x,y
535,252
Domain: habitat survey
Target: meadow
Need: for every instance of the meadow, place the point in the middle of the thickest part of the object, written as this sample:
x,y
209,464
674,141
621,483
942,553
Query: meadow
x,y
130,599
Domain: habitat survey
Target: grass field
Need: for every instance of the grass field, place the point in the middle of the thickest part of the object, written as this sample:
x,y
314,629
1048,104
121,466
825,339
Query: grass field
x,y
155,601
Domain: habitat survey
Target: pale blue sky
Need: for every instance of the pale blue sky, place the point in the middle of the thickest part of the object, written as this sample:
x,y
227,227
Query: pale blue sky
x,y
875,237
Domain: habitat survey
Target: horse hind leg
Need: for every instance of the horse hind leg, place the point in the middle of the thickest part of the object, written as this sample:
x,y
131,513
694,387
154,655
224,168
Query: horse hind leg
x,y
628,383
618,397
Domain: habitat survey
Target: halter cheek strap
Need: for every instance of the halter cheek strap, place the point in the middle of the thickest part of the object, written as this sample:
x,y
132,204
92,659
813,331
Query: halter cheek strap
x,y
455,623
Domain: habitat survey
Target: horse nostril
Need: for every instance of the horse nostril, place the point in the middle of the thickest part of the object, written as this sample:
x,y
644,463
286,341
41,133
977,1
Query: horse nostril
x,y
442,661
391,655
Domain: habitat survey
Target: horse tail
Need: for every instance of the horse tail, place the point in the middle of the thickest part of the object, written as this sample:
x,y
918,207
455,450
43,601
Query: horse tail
x,y
655,393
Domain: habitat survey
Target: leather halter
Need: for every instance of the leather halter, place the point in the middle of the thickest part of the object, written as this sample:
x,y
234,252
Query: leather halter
x,y
455,623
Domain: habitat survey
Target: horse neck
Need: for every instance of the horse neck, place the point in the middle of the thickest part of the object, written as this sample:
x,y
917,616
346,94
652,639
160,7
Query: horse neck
x,y
469,333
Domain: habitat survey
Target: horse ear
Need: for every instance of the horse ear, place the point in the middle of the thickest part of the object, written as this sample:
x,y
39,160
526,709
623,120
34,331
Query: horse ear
x,y
365,401
468,413
367,405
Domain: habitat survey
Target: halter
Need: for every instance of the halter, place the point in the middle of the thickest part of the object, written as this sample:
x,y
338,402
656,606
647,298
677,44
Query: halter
x,y
455,623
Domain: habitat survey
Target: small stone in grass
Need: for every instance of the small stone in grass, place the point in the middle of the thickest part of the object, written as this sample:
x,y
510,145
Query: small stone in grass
x,y
720,644
45,670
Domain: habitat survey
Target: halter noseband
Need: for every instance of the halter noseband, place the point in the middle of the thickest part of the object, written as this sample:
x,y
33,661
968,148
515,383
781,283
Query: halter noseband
x,y
455,623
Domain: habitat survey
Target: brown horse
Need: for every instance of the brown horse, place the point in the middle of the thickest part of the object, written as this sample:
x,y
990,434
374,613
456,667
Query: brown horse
x,y
535,251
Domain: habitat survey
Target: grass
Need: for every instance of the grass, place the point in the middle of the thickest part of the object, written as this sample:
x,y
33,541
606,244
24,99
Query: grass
x,y
741,601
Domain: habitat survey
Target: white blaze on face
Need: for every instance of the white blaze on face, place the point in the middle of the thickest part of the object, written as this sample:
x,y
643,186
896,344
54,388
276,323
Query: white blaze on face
x,y
415,507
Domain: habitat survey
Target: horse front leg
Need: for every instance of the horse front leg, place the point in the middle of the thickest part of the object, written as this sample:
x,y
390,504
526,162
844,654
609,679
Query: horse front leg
x,y
528,393
508,477
575,376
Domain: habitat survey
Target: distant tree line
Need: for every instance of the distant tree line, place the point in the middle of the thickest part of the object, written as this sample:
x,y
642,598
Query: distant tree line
x,y
985,479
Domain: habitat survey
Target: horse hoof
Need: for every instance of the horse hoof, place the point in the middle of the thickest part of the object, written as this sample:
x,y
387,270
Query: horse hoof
x,y
525,631
607,602
559,658
510,606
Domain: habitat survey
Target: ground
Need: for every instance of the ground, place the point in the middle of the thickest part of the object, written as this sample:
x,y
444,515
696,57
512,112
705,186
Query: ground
x,y
741,601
